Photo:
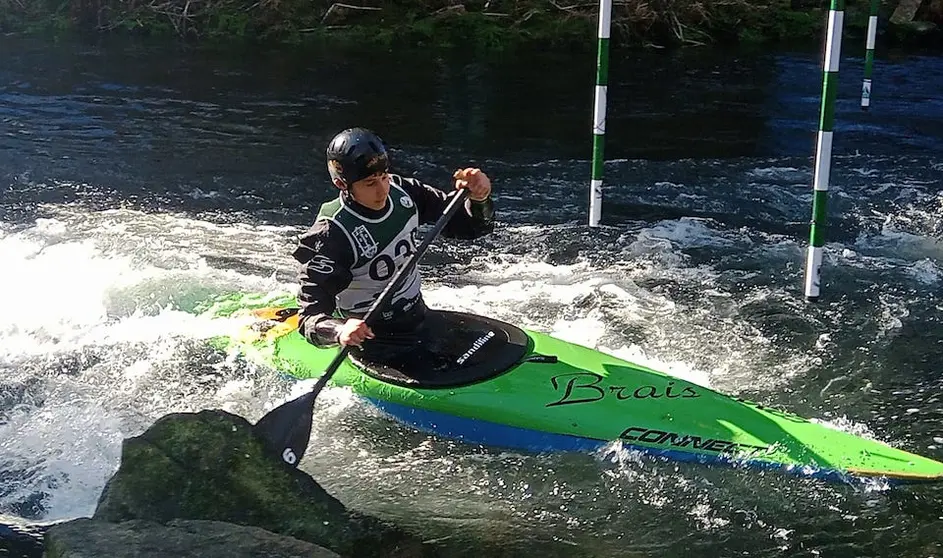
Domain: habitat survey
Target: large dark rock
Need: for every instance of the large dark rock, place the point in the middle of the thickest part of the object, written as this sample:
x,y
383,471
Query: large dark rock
x,y
90,538
212,466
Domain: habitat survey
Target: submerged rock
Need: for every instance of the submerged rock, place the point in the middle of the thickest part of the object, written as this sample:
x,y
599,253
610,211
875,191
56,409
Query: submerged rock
x,y
211,466
90,538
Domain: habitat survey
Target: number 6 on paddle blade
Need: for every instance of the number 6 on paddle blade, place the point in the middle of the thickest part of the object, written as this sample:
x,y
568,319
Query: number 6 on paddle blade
x,y
290,424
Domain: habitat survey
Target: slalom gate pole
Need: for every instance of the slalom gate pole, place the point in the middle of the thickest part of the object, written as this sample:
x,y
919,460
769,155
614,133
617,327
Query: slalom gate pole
x,y
869,55
599,112
823,154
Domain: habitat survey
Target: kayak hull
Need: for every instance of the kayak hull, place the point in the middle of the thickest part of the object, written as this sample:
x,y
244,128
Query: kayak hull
x,y
489,434
551,395
486,433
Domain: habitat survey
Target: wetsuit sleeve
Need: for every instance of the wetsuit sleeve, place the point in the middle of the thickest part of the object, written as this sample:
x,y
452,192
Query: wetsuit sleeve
x,y
477,219
326,258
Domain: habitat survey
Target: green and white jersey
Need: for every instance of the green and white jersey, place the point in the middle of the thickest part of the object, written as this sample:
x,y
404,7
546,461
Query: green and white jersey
x,y
349,254
380,246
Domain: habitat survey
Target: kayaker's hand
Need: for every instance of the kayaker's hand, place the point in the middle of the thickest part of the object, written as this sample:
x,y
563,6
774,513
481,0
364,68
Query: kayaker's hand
x,y
477,183
354,332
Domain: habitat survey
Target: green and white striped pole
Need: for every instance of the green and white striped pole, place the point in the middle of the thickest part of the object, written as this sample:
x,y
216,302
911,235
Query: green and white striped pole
x,y
823,154
599,112
869,55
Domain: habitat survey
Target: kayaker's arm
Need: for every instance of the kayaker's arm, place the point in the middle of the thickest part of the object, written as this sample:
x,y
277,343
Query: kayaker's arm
x,y
326,257
477,219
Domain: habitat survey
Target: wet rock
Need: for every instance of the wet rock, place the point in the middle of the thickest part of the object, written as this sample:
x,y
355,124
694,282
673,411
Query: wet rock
x,y
905,11
915,34
90,538
919,27
911,24
935,12
212,466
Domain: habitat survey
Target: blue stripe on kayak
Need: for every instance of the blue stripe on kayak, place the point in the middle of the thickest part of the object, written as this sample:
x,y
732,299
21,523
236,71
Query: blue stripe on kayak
x,y
486,433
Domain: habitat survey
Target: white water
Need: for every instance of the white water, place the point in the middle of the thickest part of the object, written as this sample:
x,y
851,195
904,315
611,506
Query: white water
x,y
91,323
95,325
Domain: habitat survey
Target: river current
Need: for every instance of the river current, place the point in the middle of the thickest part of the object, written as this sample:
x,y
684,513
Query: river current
x,y
138,179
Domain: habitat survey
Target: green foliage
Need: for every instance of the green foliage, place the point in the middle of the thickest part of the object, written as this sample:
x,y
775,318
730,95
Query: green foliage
x,y
236,24
482,25
795,25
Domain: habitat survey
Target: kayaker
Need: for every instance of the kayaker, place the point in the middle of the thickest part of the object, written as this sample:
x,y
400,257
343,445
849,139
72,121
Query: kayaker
x,y
360,238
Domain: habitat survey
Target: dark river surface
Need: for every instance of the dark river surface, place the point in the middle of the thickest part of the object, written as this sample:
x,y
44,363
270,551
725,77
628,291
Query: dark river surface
x,y
138,179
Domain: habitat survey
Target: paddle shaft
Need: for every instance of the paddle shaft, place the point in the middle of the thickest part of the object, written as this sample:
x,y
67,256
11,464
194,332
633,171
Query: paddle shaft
x,y
394,284
287,428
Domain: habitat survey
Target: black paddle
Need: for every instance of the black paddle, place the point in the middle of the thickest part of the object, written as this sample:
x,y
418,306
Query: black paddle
x,y
287,428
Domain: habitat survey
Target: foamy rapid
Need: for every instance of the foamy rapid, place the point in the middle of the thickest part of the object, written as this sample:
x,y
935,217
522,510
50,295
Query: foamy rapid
x,y
94,346
98,338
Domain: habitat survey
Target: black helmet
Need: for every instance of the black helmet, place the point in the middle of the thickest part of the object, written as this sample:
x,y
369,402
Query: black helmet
x,y
355,154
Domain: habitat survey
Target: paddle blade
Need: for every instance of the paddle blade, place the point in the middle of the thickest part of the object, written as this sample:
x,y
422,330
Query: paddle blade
x,y
286,429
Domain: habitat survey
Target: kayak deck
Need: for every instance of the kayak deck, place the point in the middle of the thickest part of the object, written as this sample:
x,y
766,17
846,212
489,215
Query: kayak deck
x,y
566,397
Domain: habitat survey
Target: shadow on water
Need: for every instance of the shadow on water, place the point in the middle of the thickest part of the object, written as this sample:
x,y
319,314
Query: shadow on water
x,y
20,539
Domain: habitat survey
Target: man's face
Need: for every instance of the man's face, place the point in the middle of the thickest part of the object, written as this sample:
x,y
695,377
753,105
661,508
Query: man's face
x,y
372,191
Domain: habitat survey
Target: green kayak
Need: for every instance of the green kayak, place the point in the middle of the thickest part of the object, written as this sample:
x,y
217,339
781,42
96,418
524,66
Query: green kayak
x,y
495,384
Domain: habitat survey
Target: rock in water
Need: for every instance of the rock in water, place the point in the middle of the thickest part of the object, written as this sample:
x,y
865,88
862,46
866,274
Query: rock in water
x,y
905,11
90,538
212,466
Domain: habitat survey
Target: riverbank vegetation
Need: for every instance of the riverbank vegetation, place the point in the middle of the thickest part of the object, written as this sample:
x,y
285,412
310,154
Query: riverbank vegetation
x,y
490,24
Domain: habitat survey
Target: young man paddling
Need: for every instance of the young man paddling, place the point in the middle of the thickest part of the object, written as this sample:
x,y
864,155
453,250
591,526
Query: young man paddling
x,y
361,238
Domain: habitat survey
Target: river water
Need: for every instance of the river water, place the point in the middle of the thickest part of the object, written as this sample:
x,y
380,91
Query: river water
x,y
138,179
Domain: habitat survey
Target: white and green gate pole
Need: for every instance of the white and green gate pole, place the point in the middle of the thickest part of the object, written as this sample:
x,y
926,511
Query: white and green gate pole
x,y
599,113
869,56
823,149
